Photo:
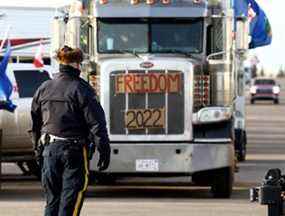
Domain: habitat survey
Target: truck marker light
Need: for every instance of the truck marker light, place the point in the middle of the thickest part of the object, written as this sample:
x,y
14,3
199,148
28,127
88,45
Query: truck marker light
x,y
206,78
202,90
150,2
165,1
103,1
135,2
197,1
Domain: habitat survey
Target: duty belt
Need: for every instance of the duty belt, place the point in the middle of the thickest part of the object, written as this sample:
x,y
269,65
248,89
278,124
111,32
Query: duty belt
x,y
49,138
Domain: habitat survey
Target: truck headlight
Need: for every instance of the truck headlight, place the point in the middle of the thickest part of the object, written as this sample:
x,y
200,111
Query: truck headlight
x,y
253,89
276,89
213,114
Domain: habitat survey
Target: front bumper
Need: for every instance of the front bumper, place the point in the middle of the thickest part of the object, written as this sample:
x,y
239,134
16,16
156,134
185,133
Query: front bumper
x,y
264,96
171,158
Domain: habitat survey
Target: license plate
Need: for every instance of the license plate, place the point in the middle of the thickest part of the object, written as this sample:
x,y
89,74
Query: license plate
x,y
145,118
147,165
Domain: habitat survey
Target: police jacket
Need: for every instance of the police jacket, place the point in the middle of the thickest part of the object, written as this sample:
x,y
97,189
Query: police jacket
x,y
67,107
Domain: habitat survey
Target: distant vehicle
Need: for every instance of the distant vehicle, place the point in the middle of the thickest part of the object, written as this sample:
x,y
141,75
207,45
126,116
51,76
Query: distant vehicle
x,y
16,143
265,89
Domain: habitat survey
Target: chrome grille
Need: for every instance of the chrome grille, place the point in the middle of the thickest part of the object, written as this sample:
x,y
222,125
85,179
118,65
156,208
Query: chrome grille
x,y
264,91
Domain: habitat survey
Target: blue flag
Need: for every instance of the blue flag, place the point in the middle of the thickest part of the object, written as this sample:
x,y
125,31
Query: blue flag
x,y
260,29
241,7
6,87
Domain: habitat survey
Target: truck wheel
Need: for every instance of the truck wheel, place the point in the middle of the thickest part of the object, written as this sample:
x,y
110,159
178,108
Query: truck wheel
x,y
240,145
276,101
34,168
222,185
101,178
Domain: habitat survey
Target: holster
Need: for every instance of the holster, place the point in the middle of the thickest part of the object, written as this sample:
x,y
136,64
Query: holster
x,y
42,142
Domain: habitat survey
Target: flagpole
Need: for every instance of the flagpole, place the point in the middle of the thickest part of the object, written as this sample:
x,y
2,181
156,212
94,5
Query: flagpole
x,y
6,35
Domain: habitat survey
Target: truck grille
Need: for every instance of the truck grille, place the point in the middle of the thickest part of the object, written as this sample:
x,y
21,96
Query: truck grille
x,y
264,91
145,93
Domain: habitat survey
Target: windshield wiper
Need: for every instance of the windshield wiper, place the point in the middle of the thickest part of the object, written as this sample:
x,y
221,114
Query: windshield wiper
x,y
123,52
128,52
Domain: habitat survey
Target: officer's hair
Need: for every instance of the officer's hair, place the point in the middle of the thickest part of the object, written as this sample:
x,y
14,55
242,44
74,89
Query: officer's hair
x,y
68,55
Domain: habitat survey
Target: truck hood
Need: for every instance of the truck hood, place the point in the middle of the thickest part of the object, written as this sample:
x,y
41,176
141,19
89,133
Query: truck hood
x,y
179,58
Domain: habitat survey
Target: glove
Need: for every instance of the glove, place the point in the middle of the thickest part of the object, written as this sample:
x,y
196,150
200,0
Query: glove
x,y
104,160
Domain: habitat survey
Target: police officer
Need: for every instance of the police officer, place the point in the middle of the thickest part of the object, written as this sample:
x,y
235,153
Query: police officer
x,y
65,113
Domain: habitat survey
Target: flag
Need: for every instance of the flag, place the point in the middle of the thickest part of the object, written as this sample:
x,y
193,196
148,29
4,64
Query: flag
x,y
260,29
6,87
241,7
38,60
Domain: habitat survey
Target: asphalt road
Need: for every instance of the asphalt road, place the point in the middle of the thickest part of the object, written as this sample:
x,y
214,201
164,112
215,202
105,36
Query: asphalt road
x,y
266,149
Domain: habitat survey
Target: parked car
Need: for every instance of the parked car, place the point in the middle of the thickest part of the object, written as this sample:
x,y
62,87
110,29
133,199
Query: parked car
x,y
265,89
16,143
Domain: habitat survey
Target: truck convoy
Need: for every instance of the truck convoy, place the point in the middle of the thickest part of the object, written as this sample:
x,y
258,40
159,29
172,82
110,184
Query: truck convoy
x,y
168,73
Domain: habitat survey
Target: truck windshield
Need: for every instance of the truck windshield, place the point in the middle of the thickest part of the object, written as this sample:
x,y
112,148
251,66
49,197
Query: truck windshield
x,y
264,82
150,35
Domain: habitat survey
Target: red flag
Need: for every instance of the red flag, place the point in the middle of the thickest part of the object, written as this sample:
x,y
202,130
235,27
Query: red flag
x,y
38,60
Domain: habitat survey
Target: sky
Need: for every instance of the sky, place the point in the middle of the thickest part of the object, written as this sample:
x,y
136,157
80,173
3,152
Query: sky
x,y
271,57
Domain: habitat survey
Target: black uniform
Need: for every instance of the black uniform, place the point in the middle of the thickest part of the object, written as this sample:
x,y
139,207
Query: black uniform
x,y
66,107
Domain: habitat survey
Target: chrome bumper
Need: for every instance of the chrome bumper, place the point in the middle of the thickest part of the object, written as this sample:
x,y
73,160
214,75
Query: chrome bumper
x,y
180,158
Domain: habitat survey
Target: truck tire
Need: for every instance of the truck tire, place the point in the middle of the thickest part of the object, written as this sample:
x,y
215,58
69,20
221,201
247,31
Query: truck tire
x,y
29,168
222,185
34,168
101,178
240,145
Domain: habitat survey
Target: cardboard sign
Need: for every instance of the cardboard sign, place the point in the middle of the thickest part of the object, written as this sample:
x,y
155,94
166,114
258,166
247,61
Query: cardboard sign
x,y
148,83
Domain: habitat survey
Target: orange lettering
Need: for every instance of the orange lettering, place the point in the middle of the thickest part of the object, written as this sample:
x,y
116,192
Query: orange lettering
x,y
144,86
137,81
119,84
174,82
162,83
128,81
153,83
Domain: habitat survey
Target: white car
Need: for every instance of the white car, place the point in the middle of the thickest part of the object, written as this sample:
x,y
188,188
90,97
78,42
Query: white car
x,y
16,143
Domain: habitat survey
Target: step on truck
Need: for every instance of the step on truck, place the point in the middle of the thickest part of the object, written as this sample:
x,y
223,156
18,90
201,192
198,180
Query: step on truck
x,y
165,72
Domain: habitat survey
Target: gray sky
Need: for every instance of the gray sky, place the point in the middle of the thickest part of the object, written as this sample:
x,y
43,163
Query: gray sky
x,y
271,57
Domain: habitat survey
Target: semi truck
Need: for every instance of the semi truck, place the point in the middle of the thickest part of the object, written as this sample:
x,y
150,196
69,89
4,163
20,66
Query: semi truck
x,y
168,74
